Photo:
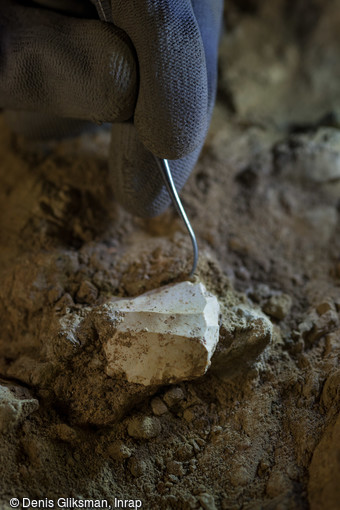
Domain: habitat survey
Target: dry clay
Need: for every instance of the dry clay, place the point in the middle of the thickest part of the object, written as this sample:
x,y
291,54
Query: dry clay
x,y
258,430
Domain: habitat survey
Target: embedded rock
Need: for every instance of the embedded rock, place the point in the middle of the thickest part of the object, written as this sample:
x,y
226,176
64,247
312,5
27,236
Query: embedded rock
x,y
278,306
245,334
144,427
163,336
312,157
16,403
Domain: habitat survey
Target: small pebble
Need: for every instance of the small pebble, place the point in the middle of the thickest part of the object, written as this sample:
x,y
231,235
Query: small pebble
x,y
175,468
195,445
264,465
145,427
87,292
188,415
158,407
207,501
173,478
64,302
65,433
185,452
240,476
173,396
278,306
137,467
119,451
193,465
324,307
16,403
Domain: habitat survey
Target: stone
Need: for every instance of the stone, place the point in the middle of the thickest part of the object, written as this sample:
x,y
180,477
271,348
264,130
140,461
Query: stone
x,y
175,467
207,501
144,427
16,403
163,336
245,334
315,326
185,452
65,433
323,307
87,292
188,415
278,306
158,407
240,476
119,451
137,467
173,396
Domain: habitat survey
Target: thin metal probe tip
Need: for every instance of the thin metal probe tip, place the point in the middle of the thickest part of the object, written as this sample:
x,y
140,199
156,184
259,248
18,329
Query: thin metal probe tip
x,y
103,8
164,167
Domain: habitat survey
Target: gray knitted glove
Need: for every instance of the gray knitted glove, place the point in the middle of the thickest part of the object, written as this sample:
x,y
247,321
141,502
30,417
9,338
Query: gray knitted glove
x,y
87,70
55,64
176,43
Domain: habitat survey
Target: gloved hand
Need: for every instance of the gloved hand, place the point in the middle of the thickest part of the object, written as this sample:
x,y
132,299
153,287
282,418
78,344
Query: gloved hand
x,y
154,62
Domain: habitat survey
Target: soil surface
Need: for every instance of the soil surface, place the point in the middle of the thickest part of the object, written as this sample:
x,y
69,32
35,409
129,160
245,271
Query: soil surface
x,y
261,430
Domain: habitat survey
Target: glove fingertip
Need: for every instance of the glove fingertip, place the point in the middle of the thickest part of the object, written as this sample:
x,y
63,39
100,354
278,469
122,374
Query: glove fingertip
x,y
137,182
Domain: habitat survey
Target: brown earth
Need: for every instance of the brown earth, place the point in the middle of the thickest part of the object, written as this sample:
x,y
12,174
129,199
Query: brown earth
x,y
261,430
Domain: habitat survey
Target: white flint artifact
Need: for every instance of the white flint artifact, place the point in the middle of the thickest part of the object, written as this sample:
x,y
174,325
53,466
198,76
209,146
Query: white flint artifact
x,y
163,336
